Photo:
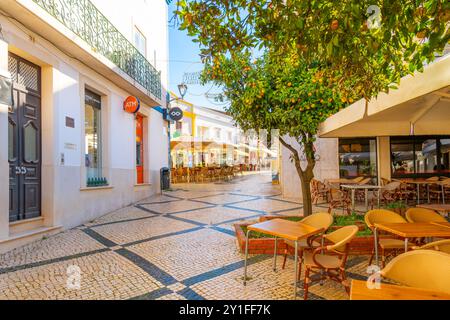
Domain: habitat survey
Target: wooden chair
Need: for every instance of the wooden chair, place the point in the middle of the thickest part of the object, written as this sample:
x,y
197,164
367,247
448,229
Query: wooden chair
x,y
441,245
329,266
423,215
173,174
357,179
339,199
407,192
361,194
427,269
320,220
364,181
390,192
319,190
179,174
204,174
185,174
388,246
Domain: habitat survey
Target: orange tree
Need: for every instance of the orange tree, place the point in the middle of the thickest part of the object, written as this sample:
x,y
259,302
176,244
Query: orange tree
x,y
291,97
313,58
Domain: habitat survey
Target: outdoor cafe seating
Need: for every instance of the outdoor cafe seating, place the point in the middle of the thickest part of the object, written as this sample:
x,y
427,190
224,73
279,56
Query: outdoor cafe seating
x,y
336,192
205,174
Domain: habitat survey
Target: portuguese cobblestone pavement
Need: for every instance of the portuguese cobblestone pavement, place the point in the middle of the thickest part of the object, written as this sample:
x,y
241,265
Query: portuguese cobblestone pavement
x,y
179,245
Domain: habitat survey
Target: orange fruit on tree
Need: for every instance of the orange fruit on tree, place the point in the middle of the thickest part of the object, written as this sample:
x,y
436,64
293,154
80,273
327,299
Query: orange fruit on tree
x,y
334,24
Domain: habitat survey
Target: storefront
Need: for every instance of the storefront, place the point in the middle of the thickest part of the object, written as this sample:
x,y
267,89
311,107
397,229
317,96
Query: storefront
x,y
401,134
69,149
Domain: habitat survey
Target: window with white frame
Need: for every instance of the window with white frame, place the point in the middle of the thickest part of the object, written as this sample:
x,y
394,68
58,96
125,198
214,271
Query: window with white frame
x,y
140,41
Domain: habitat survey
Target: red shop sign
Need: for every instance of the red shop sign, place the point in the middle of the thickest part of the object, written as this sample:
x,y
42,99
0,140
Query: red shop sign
x,y
131,104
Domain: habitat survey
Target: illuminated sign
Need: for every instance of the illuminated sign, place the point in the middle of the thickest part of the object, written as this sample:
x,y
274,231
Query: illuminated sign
x,y
131,104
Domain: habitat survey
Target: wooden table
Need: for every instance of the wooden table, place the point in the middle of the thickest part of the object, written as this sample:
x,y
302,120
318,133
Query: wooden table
x,y
360,291
410,230
281,228
366,188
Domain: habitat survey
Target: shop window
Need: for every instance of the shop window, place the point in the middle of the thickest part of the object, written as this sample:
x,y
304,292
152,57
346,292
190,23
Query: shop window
x,y
92,135
402,156
358,157
420,156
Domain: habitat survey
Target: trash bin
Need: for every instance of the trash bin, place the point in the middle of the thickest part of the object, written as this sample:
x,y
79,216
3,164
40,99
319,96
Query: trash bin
x,y
165,178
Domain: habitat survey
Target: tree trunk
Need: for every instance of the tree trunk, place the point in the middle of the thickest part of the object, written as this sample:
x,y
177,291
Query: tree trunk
x,y
305,175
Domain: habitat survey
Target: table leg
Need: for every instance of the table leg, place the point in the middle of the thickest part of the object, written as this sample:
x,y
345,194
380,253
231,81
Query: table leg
x,y
379,198
296,269
443,193
353,200
418,193
366,194
275,255
246,256
375,237
406,244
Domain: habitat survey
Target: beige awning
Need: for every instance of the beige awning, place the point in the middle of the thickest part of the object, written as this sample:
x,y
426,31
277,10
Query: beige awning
x,y
420,106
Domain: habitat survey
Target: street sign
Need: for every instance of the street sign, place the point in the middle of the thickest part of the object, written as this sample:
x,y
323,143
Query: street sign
x,y
176,114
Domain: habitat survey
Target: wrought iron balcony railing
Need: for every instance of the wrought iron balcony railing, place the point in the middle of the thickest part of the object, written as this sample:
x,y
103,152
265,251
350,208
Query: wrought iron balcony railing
x,y
85,20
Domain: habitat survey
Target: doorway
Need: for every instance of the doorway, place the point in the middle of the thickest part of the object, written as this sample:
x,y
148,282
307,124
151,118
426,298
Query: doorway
x,y
24,140
140,148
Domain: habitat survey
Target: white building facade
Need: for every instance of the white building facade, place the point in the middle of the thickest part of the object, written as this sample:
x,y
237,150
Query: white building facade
x,y
69,152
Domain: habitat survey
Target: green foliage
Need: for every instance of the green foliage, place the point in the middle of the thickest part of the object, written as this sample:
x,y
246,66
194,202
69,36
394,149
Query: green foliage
x,y
396,205
292,97
375,46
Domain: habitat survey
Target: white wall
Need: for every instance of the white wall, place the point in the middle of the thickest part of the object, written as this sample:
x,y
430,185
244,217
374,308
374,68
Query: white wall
x,y
327,166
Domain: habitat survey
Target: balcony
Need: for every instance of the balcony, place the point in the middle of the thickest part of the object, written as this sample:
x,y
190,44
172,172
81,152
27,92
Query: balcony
x,y
88,23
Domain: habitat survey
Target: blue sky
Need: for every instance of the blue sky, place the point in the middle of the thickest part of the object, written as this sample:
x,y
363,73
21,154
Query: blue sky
x,y
184,58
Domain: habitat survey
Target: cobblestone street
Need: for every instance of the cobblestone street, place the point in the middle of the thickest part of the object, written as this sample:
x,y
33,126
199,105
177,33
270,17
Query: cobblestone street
x,y
179,245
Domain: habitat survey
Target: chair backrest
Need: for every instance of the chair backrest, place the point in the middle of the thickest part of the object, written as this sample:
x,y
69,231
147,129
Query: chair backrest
x,y
365,181
382,216
314,185
423,215
441,245
357,179
385,181
340,238
425,269
337,194
433,179
391,186
319,220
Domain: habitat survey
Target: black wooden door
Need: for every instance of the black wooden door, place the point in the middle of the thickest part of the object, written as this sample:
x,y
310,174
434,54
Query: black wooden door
x,y
24,134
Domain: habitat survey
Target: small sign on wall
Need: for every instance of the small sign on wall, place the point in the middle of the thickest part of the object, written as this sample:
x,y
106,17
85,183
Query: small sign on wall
x,y
70,122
